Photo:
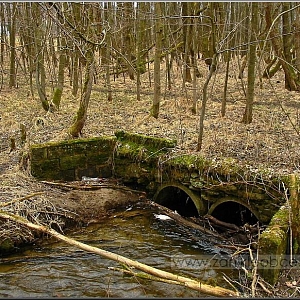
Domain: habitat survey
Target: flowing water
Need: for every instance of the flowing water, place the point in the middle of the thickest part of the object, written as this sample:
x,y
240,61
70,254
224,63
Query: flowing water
x,y
55,269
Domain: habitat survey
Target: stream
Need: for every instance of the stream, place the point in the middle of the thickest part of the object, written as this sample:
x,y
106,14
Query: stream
x,y
55,269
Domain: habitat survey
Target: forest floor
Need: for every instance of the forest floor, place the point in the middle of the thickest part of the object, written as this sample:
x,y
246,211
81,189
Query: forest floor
x,y
270,143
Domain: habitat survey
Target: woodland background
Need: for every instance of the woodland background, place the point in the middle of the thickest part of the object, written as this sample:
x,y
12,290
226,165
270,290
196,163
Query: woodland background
x,y
220,77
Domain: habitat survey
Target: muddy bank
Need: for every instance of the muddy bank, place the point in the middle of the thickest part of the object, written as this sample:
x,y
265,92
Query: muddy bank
x,y
93,205
62,206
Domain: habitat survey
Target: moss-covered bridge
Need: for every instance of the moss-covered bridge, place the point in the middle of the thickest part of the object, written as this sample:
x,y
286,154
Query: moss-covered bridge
x,y
189,184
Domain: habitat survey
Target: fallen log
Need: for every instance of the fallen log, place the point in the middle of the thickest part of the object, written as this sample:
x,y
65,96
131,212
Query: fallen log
x,y
145,275
223,224
191,283
186,222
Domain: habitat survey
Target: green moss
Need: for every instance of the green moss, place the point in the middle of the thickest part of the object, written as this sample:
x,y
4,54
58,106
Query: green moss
x,y
97,159
141,67
6,245
38,153
273,244
271,240
197,183
57,97
229,166
76,141
71,147
148,141
272,247
281,218
141,147
70,162
189,161
48,169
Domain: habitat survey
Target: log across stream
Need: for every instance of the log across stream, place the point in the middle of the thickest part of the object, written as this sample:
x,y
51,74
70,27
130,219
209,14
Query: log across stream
x,y
62,270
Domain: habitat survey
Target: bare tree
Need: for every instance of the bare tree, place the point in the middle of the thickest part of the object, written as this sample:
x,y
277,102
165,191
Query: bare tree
x,y
291,82
12,12
247,117
213,67
158,46
91,37
61,64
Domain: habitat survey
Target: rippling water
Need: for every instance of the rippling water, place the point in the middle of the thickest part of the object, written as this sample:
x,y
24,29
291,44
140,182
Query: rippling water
x,y
55,269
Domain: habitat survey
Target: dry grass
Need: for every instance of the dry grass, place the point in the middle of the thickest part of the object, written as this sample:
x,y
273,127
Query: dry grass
x,y
270,142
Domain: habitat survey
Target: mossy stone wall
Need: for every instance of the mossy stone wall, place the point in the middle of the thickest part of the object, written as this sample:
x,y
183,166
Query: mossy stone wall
x,y
273,246
72,159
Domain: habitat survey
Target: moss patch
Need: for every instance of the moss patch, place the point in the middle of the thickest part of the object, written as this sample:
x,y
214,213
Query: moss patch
x,y
272,245
148,141
6,246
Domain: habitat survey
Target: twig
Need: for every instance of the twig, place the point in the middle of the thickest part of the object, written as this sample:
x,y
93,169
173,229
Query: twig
x,y
263,287
254,273
146,276
223,224
20,199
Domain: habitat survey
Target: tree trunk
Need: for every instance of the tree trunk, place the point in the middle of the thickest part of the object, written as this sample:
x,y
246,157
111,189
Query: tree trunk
x,y
212,69
128,37
139,28
2,34
295,210
107,52
158,46
61,74
290,77
223,107
287,42
76,67
12,42
269,72
187,77
247,117
39,52
204,101
195,72
297,42
76,129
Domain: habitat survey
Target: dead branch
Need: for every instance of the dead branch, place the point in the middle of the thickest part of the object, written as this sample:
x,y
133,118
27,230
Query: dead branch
x,y
185,222
145,275
223,224
20,199
191,283
86,187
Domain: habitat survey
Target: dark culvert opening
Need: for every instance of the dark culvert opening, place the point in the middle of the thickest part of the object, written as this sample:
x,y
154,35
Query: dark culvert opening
x,y
235,213
176,199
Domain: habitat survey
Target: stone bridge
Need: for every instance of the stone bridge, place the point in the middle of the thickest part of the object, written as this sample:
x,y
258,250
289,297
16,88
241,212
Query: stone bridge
x,y
189,184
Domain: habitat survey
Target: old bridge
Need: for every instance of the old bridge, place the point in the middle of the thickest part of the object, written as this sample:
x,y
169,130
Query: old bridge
x,y
188,184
